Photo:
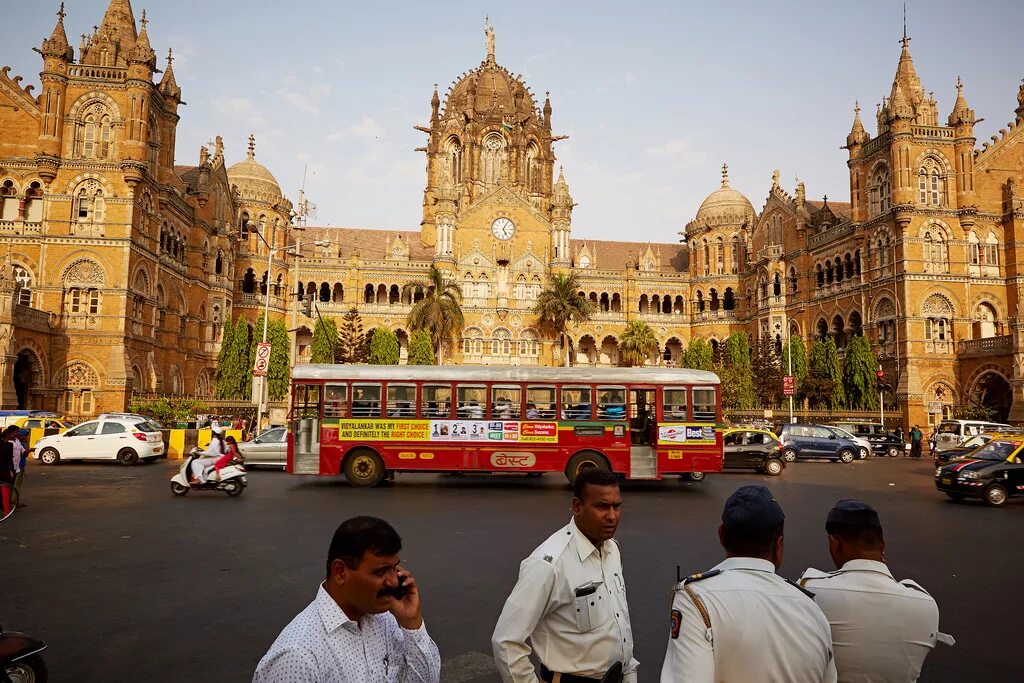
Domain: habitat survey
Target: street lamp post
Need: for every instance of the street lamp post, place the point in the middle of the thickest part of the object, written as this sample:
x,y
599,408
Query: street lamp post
x,y
299,295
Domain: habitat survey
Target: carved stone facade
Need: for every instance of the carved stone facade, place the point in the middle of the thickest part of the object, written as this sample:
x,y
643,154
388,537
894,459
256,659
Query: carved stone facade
x,y
124,265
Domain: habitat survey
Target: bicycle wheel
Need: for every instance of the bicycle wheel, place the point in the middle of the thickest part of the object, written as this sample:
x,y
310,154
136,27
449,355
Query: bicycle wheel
x,y
8,500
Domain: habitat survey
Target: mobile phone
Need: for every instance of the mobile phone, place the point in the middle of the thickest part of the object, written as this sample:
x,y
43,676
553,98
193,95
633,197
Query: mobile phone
x,y
399,591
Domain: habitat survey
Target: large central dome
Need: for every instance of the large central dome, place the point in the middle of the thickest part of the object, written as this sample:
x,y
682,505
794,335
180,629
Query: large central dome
x,y
252,178
490,88
725,206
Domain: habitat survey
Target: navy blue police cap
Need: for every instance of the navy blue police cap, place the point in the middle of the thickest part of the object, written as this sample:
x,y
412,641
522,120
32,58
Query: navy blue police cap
x,y
751,508
849,512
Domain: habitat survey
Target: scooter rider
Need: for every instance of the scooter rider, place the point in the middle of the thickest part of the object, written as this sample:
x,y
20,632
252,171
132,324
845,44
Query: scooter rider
x,y
213,452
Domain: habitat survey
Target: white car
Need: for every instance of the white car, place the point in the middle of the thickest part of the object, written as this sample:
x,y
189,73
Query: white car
x,y
126,439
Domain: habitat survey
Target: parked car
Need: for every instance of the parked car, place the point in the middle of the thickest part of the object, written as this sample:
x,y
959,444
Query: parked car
x,y
755,449
815,441
44,423
883,441
864,446
971,444
950,433
994,473
268,448
124,439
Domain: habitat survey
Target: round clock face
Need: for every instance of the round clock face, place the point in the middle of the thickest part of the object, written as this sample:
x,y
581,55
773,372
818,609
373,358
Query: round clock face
x,y
503,228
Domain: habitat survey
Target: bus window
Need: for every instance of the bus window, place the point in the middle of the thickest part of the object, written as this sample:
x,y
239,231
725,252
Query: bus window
x,y
472,402
673,406
540,403
437,401
611,403
336,400
576,403
506,403
307,401
401,400
704,404
365,400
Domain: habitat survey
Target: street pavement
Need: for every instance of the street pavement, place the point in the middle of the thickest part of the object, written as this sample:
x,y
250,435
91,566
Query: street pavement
x,y
128,583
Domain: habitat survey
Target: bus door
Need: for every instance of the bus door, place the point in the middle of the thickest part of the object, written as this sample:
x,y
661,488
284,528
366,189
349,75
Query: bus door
x,y
306,429
643,433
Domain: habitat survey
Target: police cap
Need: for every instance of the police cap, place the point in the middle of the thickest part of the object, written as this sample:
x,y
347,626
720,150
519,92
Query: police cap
x,y
751,508
855,513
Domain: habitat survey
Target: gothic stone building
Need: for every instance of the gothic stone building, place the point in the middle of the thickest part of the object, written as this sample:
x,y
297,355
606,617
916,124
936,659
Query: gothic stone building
x,y
124,265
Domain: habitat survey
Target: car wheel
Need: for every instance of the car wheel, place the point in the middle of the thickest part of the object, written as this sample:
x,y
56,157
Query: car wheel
x,y
789,455
863,453
29,670
955,497
127,456
892,451
846,456
696,476
233,488
585,461
49,456
178,489
364,468
773,467
995,495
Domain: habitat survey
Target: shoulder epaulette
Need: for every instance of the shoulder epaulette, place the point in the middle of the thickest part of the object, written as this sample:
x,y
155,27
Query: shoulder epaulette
x,y
700,576
800,588
913,584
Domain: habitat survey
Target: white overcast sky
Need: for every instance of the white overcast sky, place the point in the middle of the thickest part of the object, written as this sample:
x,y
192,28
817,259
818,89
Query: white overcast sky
x,y
654,95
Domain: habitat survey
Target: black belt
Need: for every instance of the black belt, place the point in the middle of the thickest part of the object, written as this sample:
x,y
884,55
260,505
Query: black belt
x,y
548,675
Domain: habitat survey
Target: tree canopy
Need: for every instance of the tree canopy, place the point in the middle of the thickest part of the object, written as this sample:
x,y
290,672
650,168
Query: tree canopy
x,y
384,348
439,312
325,347
698,355
421,349
352,340
560,303
637,343
859,379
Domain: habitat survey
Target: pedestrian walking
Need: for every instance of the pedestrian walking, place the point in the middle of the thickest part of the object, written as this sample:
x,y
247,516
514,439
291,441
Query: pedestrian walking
x,y
365,624
570,599
8,473
882,629
916,436
933,439
19,443
740,621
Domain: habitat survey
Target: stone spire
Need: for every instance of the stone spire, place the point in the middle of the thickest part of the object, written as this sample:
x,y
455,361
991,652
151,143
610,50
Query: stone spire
x,y
561,196
252,147
547,110
435,103
962,114
57,44
899,108
906,76
118,29
168,86
857,136
143,50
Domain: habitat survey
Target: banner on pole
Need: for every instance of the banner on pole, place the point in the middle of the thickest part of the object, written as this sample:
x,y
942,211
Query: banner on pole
x,y
788,385
259,368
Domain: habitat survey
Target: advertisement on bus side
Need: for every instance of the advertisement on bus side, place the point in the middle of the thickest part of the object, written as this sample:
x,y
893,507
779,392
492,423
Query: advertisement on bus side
x,y
684,433
447,430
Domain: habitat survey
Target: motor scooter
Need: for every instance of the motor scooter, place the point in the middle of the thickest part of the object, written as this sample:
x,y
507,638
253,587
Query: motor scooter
x,y
20,658
231,479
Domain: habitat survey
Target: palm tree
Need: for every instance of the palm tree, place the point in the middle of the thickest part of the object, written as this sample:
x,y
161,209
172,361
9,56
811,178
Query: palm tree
x,y
439,312
637,343
561,303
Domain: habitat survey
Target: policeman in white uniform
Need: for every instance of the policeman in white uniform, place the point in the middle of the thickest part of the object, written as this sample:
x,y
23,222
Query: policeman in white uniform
x,y
570,600
741,622
882,629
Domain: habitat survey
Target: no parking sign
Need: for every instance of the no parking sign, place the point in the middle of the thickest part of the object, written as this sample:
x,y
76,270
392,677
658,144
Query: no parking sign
x,y
259,368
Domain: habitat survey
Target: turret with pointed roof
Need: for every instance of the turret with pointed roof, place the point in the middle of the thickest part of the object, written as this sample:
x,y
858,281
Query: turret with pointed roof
x,y
143,52
57,45
168,86
115,38
858,136
962,114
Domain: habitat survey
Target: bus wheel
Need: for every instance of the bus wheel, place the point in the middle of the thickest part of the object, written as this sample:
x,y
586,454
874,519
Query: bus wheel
x,y
585,461
364,468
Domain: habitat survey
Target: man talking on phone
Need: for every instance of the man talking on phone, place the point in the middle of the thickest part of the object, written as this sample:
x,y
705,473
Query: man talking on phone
x,y
570,600
365,623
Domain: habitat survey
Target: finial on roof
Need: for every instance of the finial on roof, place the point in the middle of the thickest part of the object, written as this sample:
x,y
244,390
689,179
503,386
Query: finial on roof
x,y
61,13
143,22
725,175
252,146
905,40
170,57
489,35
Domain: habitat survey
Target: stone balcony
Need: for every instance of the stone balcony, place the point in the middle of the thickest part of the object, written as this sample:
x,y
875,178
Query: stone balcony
x,y
989,346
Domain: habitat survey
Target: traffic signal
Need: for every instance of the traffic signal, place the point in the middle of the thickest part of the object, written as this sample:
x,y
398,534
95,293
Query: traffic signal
x,y
880,379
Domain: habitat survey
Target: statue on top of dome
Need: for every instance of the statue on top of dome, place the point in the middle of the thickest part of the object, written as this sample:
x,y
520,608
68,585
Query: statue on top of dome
x,y
489,34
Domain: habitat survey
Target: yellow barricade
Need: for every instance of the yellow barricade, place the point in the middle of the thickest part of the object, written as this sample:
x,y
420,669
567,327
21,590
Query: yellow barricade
x,y
181,441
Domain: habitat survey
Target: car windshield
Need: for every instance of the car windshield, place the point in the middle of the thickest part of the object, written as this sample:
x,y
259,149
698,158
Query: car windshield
x,y
147,426
996,450
949,428
843,433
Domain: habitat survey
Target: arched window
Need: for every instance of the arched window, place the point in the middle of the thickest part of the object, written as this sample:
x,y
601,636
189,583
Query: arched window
x,y
777,285
249,282
90,203
735,254
532,168
990,253
707,257
931,184
879,192
105,138
792,280
8,201
243,225
218,264
938,329
492,157
984,321
729,301
720,255
23,278
89,144
453,161
819,275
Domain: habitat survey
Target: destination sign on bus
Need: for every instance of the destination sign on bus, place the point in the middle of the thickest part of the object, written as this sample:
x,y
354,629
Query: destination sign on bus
x,y
447,430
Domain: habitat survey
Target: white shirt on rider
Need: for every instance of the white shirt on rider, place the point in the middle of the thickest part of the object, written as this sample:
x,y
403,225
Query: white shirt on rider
x,y
323,644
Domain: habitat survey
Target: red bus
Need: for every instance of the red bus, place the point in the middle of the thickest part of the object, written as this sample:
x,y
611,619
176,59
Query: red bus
x,y
369,422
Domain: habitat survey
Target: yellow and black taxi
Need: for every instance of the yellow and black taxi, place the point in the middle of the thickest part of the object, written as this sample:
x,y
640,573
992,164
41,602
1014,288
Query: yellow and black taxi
x,y
993,472
752,449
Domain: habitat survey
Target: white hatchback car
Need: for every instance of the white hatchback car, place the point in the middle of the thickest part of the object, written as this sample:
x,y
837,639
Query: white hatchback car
x,y
124,438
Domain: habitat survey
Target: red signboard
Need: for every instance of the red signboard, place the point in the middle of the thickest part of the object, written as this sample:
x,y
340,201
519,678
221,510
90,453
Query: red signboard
x,y
788,385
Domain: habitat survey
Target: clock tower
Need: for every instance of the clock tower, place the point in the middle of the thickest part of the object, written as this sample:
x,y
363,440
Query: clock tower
x,y
490,161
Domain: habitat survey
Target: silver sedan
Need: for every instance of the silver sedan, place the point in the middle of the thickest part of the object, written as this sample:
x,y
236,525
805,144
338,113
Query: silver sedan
x,y
268,448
